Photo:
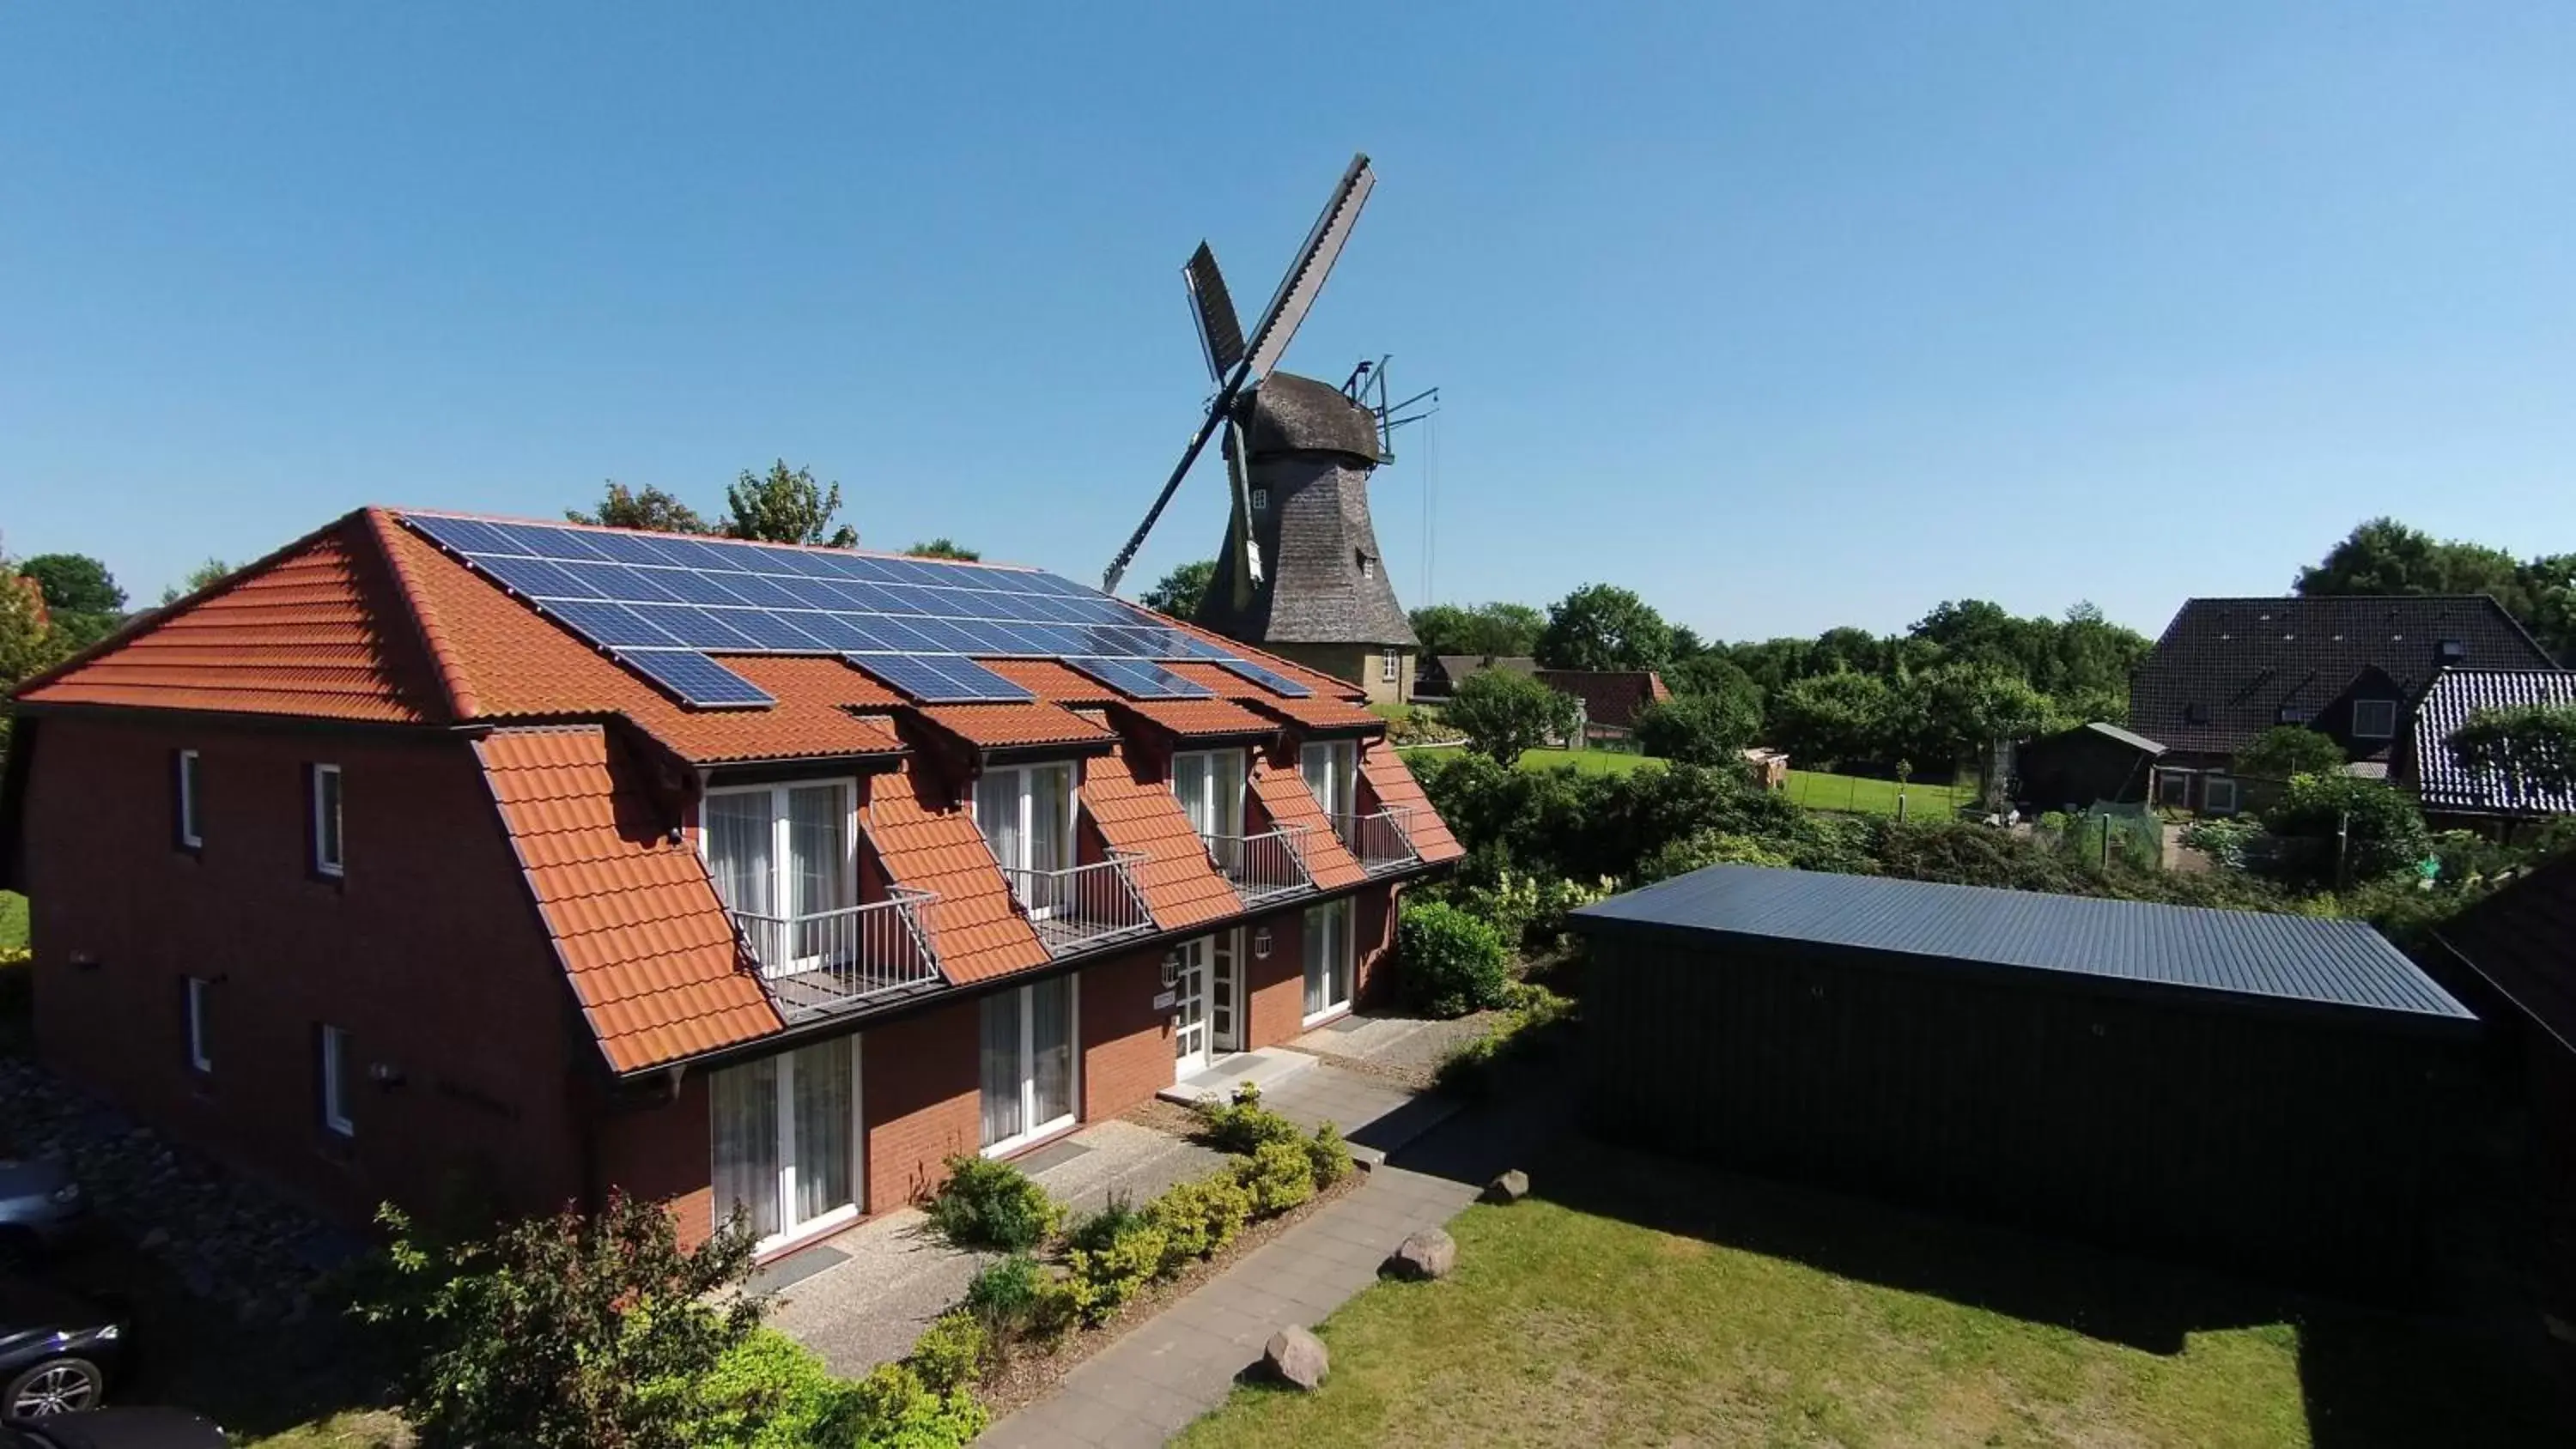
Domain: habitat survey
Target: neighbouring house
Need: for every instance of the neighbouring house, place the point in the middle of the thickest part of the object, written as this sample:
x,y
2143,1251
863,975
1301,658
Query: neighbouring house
x,y
1612,698
2352,667
2078,768
2265,1090
1441,674
2521,944
436,852
2454,797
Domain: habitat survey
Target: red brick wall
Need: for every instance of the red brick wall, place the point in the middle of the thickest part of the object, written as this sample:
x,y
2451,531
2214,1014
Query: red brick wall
x,y
921,1100
1276,985
662,1149
429,953
1126,1041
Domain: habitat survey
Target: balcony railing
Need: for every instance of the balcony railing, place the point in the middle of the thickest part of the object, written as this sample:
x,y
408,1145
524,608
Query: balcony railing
x,y
833,960
1081,906
1262,867
1383,841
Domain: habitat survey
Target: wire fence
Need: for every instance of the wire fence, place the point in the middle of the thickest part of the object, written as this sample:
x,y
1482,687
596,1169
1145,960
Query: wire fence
x,y
1861,795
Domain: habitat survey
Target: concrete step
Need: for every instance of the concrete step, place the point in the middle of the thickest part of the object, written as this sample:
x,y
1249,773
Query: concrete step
x,y
1265,1069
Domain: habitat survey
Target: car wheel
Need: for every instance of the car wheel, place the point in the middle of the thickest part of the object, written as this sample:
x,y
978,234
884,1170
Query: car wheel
x,y
56,1386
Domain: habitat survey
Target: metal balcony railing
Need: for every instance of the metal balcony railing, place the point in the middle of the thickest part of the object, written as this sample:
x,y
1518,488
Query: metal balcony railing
x,y
1081,906
831,961
1262,867
1382,841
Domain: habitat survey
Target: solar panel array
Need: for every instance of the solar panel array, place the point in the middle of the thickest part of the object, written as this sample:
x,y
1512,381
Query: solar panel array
x,y
660,604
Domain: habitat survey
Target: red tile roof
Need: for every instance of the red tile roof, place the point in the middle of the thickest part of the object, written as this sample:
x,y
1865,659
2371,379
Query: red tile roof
x,y
1318,711
1395,788
929,844
635,920
1180,887
1612,697
1201,718
1283,796
1008,726
1052,681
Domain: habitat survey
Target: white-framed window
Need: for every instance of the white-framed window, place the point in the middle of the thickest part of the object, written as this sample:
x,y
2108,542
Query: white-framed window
x,y
184,790
201,1051
786,1140
2374,719
1328,959
1368,566
336,1065
1387,670
1210,786
1028,1065
1261,500
785,859
1026,814
2173,789
1331,768
2217,795
327,857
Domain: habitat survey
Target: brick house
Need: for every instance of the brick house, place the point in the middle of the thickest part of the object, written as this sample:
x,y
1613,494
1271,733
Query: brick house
x,y
389,867
1612,698
2351,667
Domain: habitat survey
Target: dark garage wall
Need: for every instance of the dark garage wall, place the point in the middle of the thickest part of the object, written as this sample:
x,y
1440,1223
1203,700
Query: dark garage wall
x,y
2239,1132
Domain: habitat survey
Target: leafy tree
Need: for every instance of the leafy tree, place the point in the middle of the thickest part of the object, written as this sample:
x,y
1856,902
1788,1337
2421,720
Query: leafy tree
x,y
1958,711
941,548
2383,556
74,583
204,575
2530,749
786,505
1503,714
1704,729
564,1332
1603,626
28,644
1687,644
2286,750
1713,673
651,510
2381,831
1483,631
1178,593
1831,718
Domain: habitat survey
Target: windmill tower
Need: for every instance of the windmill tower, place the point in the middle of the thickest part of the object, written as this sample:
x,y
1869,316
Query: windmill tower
x,y
1300,573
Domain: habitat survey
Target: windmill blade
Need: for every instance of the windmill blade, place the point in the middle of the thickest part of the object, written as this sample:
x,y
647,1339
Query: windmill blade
x,y
1220,331
1235,473
1198,444
1297,290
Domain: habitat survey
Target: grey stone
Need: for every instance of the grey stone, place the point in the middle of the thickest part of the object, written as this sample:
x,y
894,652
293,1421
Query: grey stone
x,y
1296,1358
1430,1253
1509,1188
155,1240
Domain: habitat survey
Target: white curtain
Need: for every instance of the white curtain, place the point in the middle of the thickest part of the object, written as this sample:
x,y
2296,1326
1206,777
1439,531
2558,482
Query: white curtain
x,y
1001,1075
1050,812
743,1101
1051,1037
822,1128
1225,778
1328,769
818,874
997,810
738,843
1328,957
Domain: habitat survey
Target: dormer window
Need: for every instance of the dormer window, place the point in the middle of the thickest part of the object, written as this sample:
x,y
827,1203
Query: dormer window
x,y
2451,651
1210,786
2374,719
785,860
1026,814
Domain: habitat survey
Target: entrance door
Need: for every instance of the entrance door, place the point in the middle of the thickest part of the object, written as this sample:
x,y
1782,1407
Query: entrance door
x,y
1190,1008
1225,967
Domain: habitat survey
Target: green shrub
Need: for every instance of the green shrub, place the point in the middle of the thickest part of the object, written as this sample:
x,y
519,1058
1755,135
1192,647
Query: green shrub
x,y
2225,842
1003,1295
1119,1269
1098,1230
1199,1217
1064,1303
1242,1125
1706,848
767,1392
1474,1067
1703,729
1278,1176
2381,831
950,1353
988,1206
1328,1157
1452,963
893,1409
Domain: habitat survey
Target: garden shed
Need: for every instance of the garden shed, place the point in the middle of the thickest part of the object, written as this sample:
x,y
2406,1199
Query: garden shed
x,y
2074,769
2273,1091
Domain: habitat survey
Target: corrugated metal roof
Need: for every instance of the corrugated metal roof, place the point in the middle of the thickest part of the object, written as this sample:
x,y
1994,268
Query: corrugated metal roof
x,y
2248,953
2131,739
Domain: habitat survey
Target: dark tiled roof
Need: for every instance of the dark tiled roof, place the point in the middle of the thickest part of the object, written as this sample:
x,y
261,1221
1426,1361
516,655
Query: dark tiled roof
x,y
2226,669
2454,696
2244,953
1613,697
1456,667
2522,940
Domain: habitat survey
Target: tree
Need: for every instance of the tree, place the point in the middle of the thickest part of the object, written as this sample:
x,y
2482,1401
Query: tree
x,y
1178,593
652,510
786,505
203,576
2375,827
1481,631
1959,711
28,644
2383,556
941,548
1831,718
1702,729
2286,750
2528,749
1712,673
74,583
1603,626
1503,714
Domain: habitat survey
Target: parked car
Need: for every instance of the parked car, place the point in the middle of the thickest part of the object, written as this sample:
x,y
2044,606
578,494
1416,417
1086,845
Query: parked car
x,y
114,1429
40,1205
56,1352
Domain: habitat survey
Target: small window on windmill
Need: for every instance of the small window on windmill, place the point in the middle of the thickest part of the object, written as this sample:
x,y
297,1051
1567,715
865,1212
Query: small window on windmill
x,y
1261,500
1368,565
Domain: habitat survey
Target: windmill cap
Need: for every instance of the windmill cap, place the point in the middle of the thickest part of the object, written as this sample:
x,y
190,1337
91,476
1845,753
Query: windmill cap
x,y
1292,414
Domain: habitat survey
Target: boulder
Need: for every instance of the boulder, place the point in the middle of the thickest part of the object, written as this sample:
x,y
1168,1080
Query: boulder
x,y
1428,1254
1297,1358
1509,1188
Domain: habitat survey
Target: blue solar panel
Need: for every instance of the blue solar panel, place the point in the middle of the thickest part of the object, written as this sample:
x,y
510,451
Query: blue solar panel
x,y
695,678
468,535
537,578
697,628
1139,680
773,630
625,547
940,679
1269,679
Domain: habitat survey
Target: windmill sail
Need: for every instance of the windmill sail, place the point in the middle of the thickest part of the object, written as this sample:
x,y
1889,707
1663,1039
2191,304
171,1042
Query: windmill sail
x,y
1297,290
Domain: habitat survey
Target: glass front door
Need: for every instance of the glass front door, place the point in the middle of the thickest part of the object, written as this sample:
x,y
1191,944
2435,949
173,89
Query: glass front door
x,y
1190,1023
786,1139
1225,960
1328,960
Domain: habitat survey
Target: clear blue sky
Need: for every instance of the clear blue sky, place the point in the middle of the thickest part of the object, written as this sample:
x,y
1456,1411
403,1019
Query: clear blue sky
x,y
1784,315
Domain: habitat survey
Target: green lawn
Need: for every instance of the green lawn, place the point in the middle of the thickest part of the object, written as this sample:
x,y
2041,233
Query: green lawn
x,y
13,921
1819,791
1676,1306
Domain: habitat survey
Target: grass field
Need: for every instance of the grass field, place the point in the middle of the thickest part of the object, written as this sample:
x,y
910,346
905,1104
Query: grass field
x,y
13,921
1673,1306
1811,788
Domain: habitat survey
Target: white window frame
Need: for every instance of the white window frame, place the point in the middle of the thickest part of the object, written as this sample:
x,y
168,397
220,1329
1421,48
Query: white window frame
x,y
1028,796
834,1218
2165,777
188,830
201,1056
335,1062
1387,672
1198,770
1032,1132
1349,916
2389,705
330,846
1343,774
781,864
2210,785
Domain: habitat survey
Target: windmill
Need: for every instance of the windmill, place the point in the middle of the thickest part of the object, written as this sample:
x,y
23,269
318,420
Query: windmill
x,y
1299,573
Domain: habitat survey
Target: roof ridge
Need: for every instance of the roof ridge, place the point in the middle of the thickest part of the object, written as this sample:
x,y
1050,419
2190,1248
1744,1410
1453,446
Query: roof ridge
x,y
426,627
972,563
